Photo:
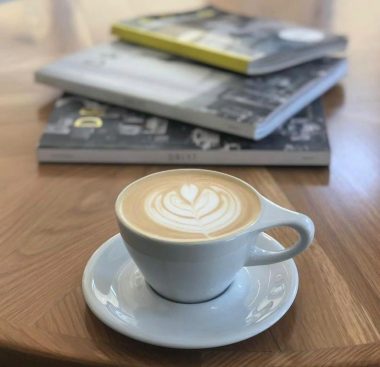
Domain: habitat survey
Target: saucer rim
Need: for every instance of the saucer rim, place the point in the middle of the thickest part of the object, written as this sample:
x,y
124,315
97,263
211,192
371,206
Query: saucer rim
x,y
112,322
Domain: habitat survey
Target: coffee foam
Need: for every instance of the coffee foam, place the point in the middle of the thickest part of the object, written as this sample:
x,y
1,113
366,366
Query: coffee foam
x,y
189,205
193,209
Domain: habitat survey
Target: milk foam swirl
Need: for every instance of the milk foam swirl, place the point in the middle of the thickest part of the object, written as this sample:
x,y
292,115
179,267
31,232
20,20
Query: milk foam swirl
x,y
192,209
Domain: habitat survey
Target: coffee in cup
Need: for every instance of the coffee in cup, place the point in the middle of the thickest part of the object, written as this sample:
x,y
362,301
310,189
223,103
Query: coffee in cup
x,y
190,231
189,205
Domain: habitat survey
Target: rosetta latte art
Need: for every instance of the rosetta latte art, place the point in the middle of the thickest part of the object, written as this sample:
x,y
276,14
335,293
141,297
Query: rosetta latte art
x,y
192,209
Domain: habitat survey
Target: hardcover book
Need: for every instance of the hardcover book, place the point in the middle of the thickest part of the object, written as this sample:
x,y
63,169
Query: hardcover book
x,y
86,131
234,42
171,87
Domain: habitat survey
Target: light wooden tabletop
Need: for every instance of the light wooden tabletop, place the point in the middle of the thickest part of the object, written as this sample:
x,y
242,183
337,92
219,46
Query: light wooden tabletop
x,y
52,217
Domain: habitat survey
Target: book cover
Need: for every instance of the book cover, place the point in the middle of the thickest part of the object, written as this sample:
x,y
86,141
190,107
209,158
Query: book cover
x,y
171,87
234,42
87,131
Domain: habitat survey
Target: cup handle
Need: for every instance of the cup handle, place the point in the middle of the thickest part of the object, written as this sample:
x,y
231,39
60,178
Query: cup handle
x,y
276,216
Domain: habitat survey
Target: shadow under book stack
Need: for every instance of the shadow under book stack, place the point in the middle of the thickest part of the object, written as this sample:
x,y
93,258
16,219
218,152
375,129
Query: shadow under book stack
x,y
202,87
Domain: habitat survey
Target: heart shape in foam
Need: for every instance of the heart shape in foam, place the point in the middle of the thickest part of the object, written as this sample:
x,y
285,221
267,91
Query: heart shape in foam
x,y
193,209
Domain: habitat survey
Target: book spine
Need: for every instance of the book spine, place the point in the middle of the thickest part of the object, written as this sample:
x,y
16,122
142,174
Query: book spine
x,y
239,158
223,59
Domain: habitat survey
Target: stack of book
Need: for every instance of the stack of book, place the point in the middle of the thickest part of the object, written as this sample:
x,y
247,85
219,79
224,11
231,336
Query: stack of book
x,y
201,87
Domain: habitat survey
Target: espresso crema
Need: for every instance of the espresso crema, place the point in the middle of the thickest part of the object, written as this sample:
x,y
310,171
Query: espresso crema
x,y
188,205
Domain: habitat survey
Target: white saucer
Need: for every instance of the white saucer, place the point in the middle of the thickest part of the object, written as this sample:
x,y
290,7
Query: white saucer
x,y
116,292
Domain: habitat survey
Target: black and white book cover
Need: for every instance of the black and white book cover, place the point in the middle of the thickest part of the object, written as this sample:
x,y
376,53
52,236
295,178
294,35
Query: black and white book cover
x,y
171,87
86,131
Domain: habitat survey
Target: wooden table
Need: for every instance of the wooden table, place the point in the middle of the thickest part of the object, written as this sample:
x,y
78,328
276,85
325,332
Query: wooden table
x,y
54,216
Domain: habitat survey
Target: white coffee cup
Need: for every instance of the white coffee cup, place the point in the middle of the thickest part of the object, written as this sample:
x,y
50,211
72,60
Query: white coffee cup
x,y
199,271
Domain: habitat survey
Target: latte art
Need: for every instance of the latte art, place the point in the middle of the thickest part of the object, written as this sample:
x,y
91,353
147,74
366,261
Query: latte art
x,y
188,205
194,210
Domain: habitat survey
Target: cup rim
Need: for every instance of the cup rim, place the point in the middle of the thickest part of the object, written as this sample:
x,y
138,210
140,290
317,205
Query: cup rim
x,y
228,236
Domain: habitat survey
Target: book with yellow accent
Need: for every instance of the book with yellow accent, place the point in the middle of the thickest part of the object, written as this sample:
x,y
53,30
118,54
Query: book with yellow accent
x,y
237,43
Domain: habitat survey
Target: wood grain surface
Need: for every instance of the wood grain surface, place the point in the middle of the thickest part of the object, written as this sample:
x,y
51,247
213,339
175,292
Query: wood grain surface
x,y
54,216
